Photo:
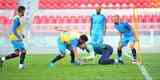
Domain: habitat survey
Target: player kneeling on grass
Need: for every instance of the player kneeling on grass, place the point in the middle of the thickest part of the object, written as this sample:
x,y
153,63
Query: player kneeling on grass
x,y
16,38
127,35
104,50
69,41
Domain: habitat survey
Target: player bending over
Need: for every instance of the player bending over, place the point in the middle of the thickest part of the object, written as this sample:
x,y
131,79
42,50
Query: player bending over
x,y
16,38
127,36
104,50
69,41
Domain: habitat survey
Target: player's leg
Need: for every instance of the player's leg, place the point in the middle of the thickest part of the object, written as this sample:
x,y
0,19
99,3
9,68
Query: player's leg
x,y
73,61
122,43
93,39
97,40
105,57
62,47
22,58
133,49
57,58
22,53
72,56
12,55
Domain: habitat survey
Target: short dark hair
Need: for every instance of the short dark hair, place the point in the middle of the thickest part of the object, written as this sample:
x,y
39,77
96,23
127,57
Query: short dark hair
x,y
21,8
84,37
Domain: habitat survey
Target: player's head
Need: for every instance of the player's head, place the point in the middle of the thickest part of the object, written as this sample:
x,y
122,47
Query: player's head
x,y
83,38
116,18
98,9
21,11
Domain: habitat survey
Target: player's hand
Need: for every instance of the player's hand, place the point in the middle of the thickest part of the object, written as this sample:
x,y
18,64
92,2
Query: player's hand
x,y
23,36
82,62
89,58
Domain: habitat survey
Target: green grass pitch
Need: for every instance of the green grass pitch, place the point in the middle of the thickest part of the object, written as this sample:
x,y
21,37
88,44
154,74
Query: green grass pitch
x,y
37,69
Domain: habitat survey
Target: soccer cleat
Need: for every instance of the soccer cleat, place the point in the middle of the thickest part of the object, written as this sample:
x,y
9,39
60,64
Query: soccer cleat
x,y
134,61
1,62
50,65
21,66
115,61
120,61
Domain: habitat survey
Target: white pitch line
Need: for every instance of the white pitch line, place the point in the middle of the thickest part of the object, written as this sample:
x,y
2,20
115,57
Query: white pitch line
x,y
143,70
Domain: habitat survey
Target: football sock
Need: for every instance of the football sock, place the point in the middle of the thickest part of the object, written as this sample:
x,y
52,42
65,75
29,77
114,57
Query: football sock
x,y
134,53
57,58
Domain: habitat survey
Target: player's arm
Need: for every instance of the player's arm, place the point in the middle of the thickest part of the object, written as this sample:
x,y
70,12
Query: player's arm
x,y
74,46
91,24
91,52
134,32
16,24
105,26
132,29
120,35
77,53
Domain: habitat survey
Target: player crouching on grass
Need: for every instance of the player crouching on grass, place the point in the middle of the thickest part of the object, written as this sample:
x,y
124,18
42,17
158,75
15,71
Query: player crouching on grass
x,y
69,41
104,50
127,36
16,38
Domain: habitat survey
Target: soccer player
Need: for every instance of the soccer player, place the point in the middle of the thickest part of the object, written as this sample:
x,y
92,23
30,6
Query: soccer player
x,y
98,27
127,36
16,38
70,41
105,51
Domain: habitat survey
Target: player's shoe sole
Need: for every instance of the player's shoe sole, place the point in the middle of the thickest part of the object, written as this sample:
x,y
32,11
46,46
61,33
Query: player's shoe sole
x,y
134,62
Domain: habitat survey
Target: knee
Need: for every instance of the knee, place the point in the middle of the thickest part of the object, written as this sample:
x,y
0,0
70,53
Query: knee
x,y
17,51
23,52
131,46
119,48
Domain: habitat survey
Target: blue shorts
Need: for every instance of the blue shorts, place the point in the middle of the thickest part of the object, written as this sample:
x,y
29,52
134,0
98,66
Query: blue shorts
x,y
17,44
126,41
105,51
97,39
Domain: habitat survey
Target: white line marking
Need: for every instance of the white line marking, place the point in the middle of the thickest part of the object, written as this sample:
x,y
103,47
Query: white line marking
x,y
142,69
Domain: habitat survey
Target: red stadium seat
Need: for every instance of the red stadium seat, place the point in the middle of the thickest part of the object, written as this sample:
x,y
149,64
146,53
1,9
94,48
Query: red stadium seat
x,y
8,4
92,3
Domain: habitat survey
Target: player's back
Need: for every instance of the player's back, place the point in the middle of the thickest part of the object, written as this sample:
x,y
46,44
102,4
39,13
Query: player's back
x,y
17,27
98,23
124,28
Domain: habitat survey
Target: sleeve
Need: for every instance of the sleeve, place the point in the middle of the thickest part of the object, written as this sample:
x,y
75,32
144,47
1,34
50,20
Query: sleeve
x,y
105,24
128,26
91,24
16,24
74,43
105,19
